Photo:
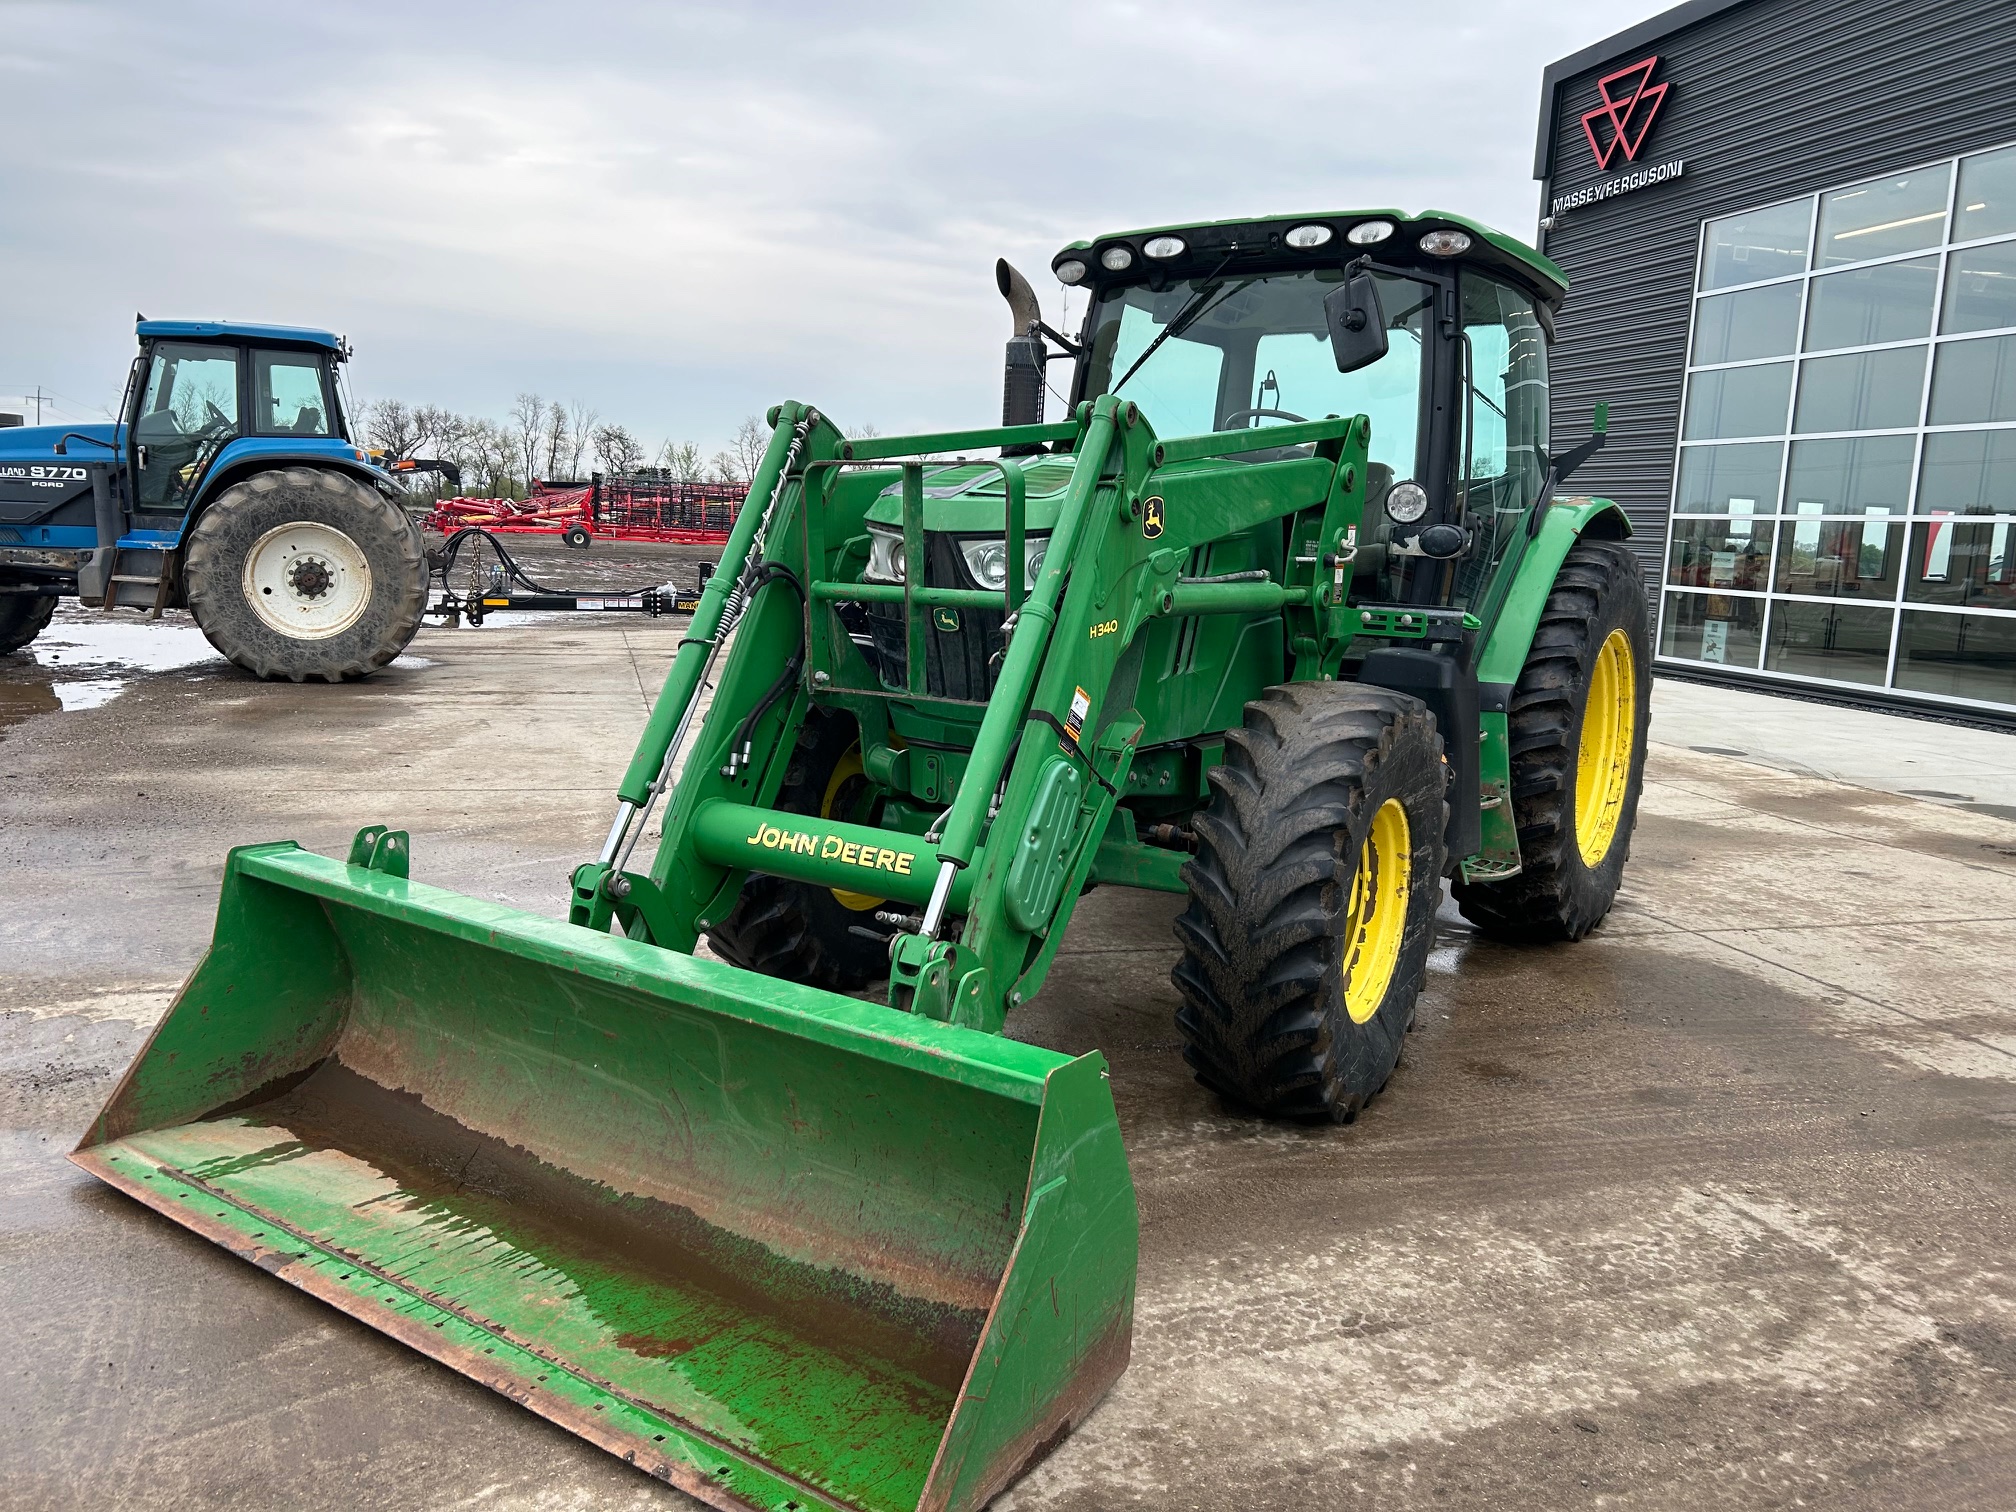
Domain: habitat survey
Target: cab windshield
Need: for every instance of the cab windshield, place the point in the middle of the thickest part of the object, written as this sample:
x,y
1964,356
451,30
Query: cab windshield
x,y
1253,351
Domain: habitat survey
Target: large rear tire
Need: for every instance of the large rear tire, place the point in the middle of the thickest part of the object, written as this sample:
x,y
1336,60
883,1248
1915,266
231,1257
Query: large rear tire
x,y
22,618
1312,899
304,572
1578,722
794,930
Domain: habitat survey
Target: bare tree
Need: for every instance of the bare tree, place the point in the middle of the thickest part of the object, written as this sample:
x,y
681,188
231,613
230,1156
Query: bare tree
x,y
432,425
724,468
493,451
553,442
682,461
862,432
528,424
388,426
619,453
580,433
752,439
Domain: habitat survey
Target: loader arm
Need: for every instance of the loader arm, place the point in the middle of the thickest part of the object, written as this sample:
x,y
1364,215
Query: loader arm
x,y
1050,749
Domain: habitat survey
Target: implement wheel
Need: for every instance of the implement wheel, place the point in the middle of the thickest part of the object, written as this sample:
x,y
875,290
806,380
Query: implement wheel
x,y
302,572
794,930
23,617
1578,722
1312,899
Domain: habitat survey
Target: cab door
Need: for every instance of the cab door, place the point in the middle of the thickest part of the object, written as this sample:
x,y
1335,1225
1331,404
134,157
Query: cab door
x,y
187,411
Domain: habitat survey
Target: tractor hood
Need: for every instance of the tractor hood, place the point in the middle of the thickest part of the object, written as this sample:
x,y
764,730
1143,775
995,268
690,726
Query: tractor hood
x,y
25,446
965,498
35,443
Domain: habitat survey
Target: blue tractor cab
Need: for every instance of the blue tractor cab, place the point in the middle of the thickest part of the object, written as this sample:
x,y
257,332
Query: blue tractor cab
x,y
230,486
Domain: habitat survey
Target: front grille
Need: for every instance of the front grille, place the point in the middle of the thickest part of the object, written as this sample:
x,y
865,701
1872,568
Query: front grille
x,y
958,663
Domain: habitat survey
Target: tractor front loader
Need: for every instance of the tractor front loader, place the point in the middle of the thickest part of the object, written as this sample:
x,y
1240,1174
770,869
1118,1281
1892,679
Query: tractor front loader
x,y
1286,616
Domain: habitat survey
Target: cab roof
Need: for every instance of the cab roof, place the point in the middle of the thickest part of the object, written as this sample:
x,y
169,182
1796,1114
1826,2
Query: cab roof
x,y
1260,238
237,330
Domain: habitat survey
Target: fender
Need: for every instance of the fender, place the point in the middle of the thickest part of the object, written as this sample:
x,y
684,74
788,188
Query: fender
x,y
1510,634
1507,639
254,454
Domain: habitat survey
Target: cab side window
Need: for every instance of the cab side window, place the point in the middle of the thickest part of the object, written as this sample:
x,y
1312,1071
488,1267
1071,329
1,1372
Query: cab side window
x,y
1507,357
287,395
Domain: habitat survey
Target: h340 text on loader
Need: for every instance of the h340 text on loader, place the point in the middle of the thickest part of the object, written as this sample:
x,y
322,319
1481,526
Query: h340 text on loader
x,y
1285,615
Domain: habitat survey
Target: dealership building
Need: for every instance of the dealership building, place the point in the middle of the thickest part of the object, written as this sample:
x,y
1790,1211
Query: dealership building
x,y
1790,227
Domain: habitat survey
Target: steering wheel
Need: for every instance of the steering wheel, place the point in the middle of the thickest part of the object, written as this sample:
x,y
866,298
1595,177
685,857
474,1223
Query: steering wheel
x,y
1236,416
218,423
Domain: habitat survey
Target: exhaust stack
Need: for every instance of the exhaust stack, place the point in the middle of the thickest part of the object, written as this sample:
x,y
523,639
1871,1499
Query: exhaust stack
x,y
1022,378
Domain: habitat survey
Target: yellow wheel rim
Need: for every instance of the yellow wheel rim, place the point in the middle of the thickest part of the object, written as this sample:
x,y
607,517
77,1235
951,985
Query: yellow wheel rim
x,y
849,767
1603,767
1376,921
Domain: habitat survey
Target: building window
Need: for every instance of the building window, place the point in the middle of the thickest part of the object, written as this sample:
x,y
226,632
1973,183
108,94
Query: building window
x,y
1844,500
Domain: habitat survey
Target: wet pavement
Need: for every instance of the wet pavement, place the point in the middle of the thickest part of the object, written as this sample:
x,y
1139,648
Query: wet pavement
x,y
1714,1208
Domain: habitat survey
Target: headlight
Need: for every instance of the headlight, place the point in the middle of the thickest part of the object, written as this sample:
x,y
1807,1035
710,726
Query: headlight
x,y
885,557
1406,502
1302,238
988,560
1445,243
1165,246
1070,271
1116,259
1365,233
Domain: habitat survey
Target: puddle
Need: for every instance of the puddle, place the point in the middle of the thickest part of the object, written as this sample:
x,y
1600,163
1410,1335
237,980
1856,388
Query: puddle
x,y
88,694
78,664
19,701
84,664
128,648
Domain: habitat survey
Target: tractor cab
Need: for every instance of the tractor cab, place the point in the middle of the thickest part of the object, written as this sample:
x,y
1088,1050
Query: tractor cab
x,y
201,385
1433,326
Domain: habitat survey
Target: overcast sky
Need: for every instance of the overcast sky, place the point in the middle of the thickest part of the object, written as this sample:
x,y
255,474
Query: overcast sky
x,y
680,213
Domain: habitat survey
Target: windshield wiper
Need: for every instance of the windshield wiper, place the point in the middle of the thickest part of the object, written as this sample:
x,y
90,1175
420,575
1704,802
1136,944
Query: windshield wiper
x,y
1192,311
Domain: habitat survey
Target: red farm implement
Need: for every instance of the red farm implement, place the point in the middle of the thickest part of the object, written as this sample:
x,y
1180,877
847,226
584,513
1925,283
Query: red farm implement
x,y
623,509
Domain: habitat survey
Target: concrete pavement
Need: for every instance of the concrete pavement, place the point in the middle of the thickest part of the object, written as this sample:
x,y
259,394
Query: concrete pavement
x,y
1713,1208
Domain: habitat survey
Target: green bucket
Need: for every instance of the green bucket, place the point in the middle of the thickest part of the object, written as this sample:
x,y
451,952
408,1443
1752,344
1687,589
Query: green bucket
x,y
778,1247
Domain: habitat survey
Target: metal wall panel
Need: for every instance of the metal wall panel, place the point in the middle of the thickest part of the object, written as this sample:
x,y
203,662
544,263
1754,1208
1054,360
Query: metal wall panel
x,y
1769,100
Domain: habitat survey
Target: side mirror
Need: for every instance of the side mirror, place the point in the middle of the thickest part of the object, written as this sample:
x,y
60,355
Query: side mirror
x,y
1357,322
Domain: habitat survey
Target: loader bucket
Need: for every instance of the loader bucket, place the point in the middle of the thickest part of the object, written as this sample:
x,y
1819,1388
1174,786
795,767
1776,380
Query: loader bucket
x,y
778,1247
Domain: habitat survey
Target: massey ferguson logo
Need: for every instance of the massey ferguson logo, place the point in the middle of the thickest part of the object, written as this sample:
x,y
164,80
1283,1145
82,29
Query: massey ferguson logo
x,y
1621,123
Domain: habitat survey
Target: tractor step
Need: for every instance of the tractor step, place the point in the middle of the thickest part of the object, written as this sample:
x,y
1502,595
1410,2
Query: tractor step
x,y
139,580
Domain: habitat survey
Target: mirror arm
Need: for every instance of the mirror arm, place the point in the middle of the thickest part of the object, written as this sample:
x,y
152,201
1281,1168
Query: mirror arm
x,y
62,447
1071,348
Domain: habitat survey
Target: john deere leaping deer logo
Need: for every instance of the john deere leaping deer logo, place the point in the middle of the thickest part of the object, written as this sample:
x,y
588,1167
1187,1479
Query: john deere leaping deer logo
x,y
1151,517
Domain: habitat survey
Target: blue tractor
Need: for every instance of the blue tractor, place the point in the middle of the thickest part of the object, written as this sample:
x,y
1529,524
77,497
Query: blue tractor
x,y
230,486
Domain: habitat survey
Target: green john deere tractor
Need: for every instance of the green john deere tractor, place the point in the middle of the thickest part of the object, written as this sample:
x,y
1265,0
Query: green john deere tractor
x,y
1284,616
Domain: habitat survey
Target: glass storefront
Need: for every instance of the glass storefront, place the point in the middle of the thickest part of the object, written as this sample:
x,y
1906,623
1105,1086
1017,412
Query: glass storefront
x,y
1844,504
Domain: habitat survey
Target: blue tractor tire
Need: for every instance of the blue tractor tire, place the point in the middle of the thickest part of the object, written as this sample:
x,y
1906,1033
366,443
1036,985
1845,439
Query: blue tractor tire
x,y
23,616
304,572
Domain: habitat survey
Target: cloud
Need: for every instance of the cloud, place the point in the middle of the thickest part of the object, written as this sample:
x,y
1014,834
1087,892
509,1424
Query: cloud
x,y
681,213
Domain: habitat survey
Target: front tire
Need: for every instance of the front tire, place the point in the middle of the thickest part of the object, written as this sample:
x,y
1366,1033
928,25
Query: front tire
x,y
795,930
1578,720
22,618
1312,899
303,572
